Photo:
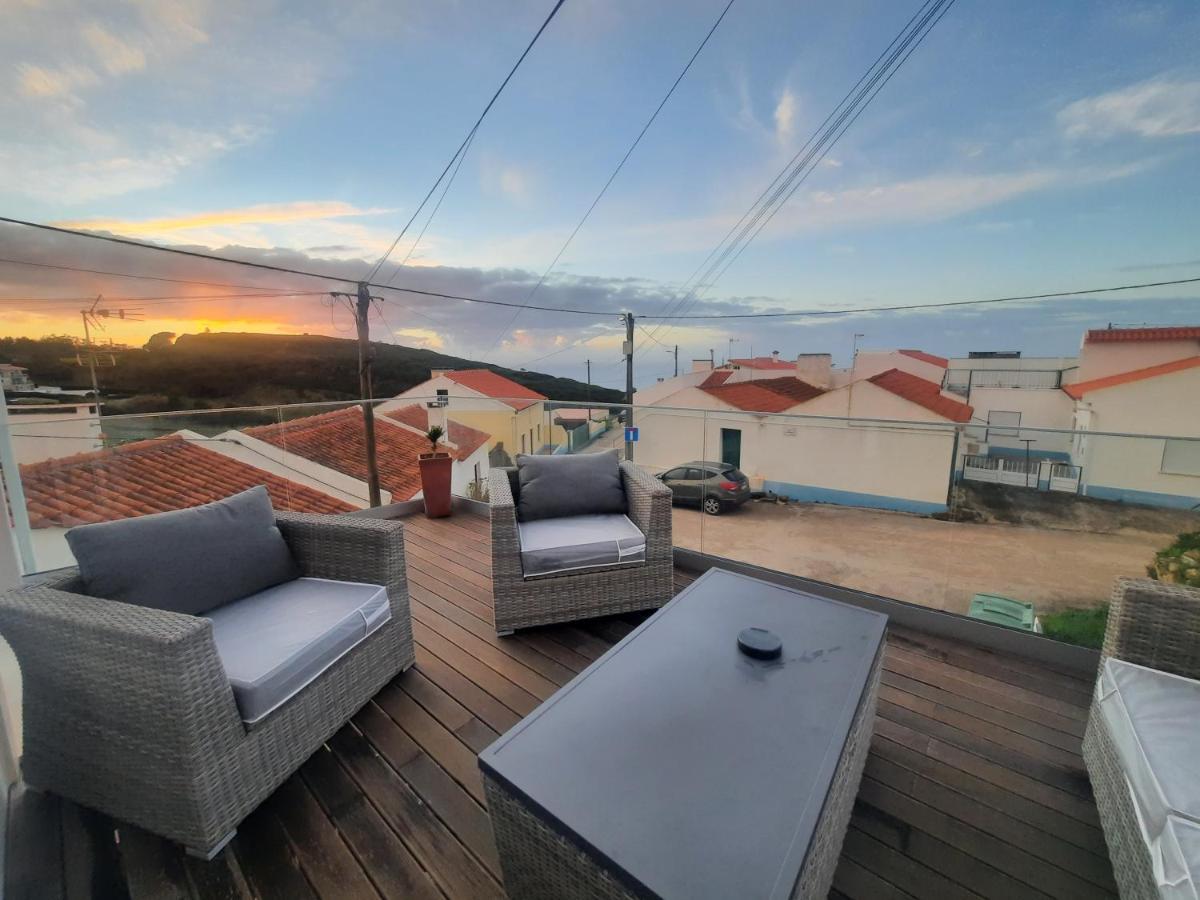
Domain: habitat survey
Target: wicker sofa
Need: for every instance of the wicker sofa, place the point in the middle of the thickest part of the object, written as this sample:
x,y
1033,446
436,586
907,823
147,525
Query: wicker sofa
x,y
1156,626
128,710
521,602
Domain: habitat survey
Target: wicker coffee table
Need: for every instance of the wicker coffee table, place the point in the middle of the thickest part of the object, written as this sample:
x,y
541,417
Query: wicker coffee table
x,y
686,762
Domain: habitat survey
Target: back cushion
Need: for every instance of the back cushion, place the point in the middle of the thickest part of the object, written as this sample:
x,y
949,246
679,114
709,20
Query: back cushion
x,y
187,560
554,486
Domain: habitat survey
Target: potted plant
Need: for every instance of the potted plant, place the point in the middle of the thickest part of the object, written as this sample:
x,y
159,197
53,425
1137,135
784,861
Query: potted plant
x,y
435,475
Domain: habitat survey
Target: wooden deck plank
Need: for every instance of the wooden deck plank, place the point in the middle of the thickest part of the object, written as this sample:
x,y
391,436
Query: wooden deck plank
x,y
973,786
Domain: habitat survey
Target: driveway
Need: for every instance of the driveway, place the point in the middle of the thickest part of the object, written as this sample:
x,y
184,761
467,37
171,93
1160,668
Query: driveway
x,y
926,561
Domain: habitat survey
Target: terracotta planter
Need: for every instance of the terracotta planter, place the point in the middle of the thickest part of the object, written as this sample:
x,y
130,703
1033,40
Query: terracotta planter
x,y
435,483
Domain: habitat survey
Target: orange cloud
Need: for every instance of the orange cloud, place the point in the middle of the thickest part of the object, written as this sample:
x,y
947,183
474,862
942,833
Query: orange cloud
x,y
259,214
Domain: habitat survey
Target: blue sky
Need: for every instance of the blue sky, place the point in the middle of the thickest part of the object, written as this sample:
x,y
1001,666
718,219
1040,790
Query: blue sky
x,y
1024,147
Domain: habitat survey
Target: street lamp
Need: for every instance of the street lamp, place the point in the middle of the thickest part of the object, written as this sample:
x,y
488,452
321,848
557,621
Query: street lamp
x,y
1027,442
729,351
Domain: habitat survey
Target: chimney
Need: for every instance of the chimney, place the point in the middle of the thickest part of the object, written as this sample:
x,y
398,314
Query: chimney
x,y
702,365
815,369
774,354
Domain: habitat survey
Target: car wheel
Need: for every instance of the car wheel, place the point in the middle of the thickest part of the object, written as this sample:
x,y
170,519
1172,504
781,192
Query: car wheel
x,y
712,506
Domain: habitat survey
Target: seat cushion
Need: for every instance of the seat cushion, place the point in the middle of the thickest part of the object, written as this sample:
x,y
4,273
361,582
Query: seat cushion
x,y
274,643
1180,876
576,543
569,485
1151,717
186,560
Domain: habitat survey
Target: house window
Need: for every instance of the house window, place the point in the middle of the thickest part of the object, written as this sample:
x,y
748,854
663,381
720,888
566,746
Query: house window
x,y
1000,424
1181,457
443,397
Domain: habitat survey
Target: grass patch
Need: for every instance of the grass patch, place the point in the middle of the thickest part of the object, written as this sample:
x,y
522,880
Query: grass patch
x,y
1077,626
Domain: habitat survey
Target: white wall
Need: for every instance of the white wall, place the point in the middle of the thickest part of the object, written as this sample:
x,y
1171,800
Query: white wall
x,y
1098,360
901,467
865,400
1165,405
57,432
1047,408
871,362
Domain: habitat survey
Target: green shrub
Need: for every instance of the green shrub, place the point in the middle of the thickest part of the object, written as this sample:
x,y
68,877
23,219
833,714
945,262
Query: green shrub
x,y
1077,626
1178,563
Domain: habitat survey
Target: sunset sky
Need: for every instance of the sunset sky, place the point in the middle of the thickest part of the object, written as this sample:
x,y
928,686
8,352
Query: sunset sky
x,y
1025,147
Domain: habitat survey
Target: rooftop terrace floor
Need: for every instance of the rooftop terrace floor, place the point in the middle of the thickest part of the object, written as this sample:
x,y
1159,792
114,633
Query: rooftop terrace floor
x,y
974,786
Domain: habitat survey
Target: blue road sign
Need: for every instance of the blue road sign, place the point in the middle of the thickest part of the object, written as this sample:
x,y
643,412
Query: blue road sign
x,y
631,435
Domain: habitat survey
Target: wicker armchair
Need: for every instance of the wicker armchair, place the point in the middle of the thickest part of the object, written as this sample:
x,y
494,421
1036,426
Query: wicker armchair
x,y
128,710
545,600
1149,624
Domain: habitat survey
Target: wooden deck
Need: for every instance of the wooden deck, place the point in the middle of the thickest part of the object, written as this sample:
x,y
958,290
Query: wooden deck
x,y
974,786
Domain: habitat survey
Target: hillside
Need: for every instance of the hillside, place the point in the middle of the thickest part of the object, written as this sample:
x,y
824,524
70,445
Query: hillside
x,y
211,370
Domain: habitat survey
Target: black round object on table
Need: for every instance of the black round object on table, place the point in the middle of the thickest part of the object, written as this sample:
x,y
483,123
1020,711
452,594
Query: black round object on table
x,y
759,643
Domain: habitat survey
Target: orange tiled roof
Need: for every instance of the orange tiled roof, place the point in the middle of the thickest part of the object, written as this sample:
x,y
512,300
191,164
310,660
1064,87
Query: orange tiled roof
x,y
493,384
1078,389
148,477
765,362
923,393
1118,335
337,440
466,440
769,395
720,376
927,357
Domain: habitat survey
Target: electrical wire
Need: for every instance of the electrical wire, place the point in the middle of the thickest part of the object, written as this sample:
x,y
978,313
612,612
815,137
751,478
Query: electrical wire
x,y
617,171
462,147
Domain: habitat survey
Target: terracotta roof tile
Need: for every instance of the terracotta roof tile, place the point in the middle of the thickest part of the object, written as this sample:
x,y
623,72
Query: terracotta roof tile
x,y
718,377
927,357
1120,335
765,362
493,384
465,439
337,440
769,395
923,393
148,477
1078,389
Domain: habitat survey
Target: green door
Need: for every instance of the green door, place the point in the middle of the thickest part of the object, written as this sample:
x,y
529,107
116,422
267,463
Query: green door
x,y
731,447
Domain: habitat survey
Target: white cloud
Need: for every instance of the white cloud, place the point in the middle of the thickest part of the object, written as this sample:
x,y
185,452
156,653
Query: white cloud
x,y
507,179
117,56
53,83
785,116
1159,107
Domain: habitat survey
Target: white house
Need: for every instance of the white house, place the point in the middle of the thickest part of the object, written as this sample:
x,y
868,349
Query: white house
x,y
15,378
1160,396
513,416
810,438
43,430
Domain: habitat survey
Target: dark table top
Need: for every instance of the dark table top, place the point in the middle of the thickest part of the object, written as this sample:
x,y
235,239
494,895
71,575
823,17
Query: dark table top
x,y
687,767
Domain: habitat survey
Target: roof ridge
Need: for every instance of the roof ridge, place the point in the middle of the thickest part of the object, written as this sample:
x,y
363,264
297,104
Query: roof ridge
x,y
1079,388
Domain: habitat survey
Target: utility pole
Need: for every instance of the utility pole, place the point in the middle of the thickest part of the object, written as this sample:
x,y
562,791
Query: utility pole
x,y
362,310
729,351
676,360
87,342
629,381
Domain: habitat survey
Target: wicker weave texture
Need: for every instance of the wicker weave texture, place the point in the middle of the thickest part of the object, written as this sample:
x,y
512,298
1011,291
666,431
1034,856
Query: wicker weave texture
x,y
521,602
128,710
1149,624
541,864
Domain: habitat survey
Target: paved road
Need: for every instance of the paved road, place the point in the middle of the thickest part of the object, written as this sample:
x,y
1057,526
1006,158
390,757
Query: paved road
x,y
925,561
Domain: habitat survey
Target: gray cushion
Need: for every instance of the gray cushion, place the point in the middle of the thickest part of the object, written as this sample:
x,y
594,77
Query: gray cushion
x,y
276,642
187,560
569,485
578,543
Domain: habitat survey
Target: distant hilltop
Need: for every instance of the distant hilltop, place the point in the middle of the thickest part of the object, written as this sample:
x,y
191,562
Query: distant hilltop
x,y
218,369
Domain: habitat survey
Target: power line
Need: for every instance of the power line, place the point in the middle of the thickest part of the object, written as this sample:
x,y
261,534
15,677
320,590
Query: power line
x,y
42,265
462,147
942,305
617,171
195,254
825,136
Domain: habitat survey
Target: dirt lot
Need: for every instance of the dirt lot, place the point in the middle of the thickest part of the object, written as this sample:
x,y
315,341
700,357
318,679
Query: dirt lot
x,y
927,561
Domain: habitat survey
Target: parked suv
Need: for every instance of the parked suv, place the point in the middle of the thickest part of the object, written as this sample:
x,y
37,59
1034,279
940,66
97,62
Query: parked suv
x,y
714,487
